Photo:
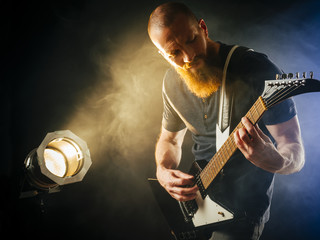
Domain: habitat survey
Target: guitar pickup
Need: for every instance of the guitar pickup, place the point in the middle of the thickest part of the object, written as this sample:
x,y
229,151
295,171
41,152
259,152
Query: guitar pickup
x,y
188,209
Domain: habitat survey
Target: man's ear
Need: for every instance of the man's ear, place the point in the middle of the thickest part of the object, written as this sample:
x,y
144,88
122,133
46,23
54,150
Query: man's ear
x,y
203,26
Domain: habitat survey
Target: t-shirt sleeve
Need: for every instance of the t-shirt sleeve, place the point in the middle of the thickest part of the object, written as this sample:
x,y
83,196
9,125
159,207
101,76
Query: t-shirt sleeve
x,y
170,118
280,113
265,69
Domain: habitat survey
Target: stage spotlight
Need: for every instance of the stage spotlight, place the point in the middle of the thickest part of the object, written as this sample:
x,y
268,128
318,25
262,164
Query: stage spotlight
x,y
62,158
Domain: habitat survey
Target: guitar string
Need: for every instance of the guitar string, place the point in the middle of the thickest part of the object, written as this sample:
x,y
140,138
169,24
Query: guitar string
x,y
275,95
281,95
273,98
216,164
275,101
230,144
294,85
256,107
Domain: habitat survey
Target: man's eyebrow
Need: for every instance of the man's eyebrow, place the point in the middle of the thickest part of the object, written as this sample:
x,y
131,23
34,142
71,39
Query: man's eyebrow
x,y
170,48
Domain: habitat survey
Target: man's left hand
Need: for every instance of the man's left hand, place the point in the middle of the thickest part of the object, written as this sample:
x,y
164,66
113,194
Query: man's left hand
x,y
256,146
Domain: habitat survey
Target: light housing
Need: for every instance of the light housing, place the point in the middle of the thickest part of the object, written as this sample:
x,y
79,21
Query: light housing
x,y
62,158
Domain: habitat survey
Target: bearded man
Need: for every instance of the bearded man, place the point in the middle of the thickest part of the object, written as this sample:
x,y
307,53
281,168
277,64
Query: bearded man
x,y
191,95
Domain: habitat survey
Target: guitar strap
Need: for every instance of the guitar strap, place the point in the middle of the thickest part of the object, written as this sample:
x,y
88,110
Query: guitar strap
x,y
226,102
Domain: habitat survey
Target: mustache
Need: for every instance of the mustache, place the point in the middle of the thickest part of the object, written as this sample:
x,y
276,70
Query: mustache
x,y
194,62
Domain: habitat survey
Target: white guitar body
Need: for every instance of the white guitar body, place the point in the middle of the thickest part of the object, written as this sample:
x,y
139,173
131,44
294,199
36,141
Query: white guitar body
x,y
192,219
209,212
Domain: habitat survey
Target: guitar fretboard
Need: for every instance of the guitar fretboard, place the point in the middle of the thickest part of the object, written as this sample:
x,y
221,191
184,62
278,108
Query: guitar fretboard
x,y
215,165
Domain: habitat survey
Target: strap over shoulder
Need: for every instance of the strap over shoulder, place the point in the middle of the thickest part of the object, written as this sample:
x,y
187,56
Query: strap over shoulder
x,y
226,99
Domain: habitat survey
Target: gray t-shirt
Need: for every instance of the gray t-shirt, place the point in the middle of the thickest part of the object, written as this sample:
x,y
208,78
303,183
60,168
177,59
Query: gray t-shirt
x,y
242,186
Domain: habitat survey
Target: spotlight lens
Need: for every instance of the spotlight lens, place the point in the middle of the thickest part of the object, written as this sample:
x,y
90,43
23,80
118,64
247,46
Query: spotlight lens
x,y
63,157
55,162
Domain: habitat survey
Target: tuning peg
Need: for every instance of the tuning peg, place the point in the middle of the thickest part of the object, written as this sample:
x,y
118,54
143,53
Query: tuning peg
x,y
290,75
311,74
284,76
304,74
297,75
278,76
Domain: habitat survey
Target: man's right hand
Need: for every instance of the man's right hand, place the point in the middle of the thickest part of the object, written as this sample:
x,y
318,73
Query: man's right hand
x,y
177,183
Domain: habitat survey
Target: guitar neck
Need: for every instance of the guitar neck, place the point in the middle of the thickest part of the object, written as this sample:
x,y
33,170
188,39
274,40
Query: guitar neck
x,y
218,161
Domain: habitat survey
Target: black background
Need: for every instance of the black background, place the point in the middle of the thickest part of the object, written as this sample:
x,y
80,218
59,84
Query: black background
x,y
89,66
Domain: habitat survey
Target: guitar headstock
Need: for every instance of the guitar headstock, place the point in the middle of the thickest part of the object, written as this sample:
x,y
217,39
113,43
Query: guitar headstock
x,y
288,85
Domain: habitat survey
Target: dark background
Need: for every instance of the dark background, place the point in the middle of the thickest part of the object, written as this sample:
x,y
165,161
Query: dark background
x,y
89,66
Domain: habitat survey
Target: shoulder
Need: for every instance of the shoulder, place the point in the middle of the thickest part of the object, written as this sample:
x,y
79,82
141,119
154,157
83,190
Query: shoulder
x,y
246,61
254,68
172,82
171,76
256,63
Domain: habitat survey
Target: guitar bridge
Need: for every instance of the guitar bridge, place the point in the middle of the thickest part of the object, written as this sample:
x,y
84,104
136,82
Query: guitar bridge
x,y
188,209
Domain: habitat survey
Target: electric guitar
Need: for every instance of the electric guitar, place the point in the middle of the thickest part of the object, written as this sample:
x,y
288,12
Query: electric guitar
x,y
189,220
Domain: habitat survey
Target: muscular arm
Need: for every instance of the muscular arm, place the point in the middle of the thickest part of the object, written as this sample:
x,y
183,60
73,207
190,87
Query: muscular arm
x,y
289,145
168,148
168,155
286,158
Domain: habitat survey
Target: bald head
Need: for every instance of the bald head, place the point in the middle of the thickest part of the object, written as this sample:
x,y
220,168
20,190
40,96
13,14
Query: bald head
x,y
183,41
164,15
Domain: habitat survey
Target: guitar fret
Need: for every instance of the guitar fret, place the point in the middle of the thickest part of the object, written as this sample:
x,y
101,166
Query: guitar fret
x,y
256,110
222,156
234,145
251,117
260,109
216,166
229,147
217,161
263,105
207,179
203,180
212,172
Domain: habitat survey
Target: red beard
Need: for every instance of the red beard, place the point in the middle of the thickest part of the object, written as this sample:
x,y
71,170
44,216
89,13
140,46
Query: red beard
x,y
203,81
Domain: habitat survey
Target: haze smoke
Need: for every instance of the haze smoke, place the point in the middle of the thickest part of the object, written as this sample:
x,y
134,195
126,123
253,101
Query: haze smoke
x,y
123,111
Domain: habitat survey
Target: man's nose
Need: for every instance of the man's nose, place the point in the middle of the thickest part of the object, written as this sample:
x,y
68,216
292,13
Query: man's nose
x,y
189,55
